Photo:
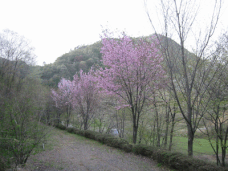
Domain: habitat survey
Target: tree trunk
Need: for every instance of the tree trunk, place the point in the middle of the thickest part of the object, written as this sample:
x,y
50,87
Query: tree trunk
x,y
189,123
217,152
224,148
190,141
58,117
86,122
122,124
171,136
85,125
68,115
154,134
158,126
167,129
100,125
217,142
223,145
223,156
158,138
135,129
172,128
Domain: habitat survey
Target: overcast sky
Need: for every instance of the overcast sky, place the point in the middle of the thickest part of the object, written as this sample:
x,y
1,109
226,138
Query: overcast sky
x,y
56,26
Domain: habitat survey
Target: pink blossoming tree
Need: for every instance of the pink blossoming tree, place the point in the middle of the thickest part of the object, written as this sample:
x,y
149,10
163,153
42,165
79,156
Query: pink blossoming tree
x,y
133,72
85,95
63,98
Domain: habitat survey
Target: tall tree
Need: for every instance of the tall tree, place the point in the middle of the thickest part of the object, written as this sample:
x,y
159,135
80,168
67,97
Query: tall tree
x,y
133,72
63,98
216,119
20,104
15,54
85,96
190,74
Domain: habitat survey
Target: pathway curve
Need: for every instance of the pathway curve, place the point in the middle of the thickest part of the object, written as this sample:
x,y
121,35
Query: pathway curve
x,y
70,152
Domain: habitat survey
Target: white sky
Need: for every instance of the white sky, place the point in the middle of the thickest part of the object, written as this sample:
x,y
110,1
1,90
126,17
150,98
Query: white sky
x,y
56,26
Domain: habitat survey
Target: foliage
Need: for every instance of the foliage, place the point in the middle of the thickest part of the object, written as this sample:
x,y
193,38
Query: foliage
x,y
21,101
82,94
189,75
63,96
174,160
62,127
63,99
85,96
68,64
65,66
132,71
21,130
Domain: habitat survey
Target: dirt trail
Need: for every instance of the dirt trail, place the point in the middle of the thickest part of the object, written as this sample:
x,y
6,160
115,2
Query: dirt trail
x,y
75,153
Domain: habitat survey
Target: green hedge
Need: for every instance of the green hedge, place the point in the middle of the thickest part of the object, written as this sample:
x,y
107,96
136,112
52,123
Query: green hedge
x,y
70,130
60,126
100,138
173,160
91,134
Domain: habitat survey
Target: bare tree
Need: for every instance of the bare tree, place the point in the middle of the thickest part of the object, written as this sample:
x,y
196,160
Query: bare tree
x,y
15,55
170,117
120,121
216,121
190,74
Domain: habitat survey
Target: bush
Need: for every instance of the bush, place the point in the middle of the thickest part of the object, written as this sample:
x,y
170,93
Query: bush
x,y
91,134
3,164
100,138
115,142
121,142
108,139
80,132
76,131
70,130
144,150
173,160
211,168
127,147
60,126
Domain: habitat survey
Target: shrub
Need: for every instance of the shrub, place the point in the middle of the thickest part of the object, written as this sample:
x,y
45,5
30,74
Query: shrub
x,y
91,134
121,142
143,150
70,130
81,132
173,160
60,126
76,131
108,138
2,164
127,147
100,138
211,168
115,142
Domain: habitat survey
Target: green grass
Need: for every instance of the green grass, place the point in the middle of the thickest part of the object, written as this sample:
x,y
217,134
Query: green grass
x,y
199,145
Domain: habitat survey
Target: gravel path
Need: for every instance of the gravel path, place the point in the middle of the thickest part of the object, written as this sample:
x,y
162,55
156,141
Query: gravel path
x,y
70,152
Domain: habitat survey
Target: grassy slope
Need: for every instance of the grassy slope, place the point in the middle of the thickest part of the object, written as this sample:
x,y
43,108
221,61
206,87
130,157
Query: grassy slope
x,y
200,145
